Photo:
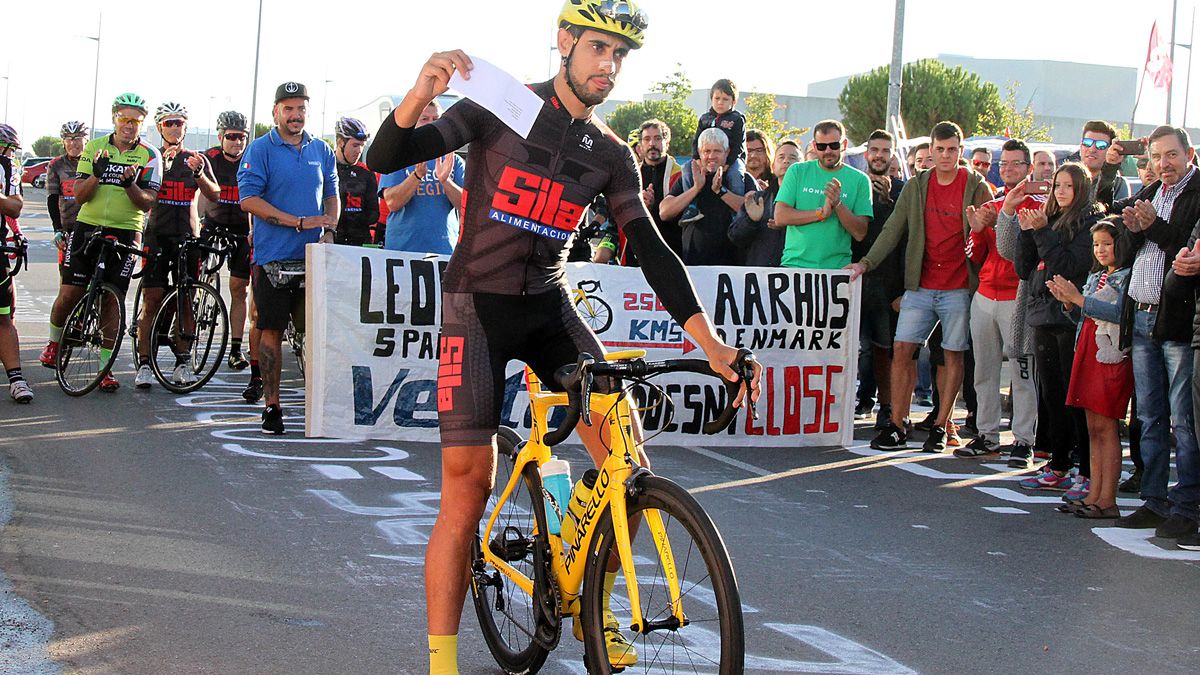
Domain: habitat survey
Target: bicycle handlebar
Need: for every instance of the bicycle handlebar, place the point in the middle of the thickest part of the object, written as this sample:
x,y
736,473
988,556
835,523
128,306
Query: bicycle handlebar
x,y
577,380
20,249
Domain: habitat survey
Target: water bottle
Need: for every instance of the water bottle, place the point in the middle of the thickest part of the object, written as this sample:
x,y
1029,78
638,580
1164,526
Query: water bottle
x,y
580,496
556,490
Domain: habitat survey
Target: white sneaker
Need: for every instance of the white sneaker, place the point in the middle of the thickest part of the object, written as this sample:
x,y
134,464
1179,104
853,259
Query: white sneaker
x,y
20,391
183,375
144,377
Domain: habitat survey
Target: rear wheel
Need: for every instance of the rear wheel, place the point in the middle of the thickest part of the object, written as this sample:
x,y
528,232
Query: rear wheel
x,y
711,637
195,339
96,324
520,629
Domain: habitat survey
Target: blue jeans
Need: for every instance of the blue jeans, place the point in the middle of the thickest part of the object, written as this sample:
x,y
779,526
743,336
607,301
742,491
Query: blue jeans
x,y
1162,377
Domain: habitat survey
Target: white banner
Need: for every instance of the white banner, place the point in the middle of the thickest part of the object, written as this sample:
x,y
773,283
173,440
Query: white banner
x,y
373,334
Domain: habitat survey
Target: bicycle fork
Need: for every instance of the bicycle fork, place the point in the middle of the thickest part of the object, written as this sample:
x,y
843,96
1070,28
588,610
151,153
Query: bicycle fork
x,y
658,532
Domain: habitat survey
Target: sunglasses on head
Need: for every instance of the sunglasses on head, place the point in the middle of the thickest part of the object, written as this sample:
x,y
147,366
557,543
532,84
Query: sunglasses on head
x,y
174,122
832,145
234,136
1096,143
618,10
123,120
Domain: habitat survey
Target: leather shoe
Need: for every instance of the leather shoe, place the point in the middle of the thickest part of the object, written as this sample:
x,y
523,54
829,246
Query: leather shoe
x,y
1141,519
1175,527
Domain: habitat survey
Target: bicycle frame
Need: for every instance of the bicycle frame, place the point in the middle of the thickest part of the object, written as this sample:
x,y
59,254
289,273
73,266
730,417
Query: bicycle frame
x,y
616,476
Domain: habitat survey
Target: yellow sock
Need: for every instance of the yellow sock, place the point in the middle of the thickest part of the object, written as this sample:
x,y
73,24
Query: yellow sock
x,y
443,655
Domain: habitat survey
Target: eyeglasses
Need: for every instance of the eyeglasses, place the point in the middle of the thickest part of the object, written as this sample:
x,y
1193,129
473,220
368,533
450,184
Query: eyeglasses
x,y
822,147
981,163
234,137
174,122
123,120
1095,143
619,10
1016,164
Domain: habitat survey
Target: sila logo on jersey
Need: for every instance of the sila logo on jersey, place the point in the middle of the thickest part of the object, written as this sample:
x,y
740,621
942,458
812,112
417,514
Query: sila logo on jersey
x,y
534,204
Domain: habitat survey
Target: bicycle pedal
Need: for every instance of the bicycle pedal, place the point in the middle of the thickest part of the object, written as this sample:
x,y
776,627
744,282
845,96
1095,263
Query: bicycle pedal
x,y
510,545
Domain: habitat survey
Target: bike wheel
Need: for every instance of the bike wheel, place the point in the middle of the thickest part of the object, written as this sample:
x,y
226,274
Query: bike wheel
x,y
595,312
80,362
295,339
520,629
711,638
201,334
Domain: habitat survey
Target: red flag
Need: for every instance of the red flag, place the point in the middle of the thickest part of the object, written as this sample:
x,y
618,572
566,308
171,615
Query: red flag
x,y
1158,59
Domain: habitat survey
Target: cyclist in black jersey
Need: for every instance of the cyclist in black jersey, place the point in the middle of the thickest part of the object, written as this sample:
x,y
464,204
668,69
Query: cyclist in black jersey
x,y
504,292
11,203
357,185
173,217
225,216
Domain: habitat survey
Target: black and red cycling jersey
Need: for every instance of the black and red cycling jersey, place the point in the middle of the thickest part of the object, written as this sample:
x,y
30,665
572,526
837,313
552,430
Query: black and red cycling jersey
x,y
226,212
523,199
359,192
174,212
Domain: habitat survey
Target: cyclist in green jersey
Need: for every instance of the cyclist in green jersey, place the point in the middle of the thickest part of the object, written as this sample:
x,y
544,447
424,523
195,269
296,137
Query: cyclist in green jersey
x,y
118,181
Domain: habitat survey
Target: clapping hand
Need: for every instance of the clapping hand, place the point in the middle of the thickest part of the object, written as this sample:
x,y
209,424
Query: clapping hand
x,y
1032,219
718,180
1187,261
1064,291
973,219
833,193
443,167
754,206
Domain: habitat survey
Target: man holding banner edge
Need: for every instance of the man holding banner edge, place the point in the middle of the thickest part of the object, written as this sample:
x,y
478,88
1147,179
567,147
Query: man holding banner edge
x,y
509,264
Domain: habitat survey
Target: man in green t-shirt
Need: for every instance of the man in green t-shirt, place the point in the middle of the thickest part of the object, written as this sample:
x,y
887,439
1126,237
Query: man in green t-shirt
x,y
823,203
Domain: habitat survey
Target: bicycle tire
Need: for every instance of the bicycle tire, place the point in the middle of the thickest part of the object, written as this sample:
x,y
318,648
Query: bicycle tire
x,y
510,630
210,331
713,637
295,339
78,366
595,313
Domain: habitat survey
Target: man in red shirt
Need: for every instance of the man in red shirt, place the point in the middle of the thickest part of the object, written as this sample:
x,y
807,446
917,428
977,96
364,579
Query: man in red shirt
x,y
938,280
992,311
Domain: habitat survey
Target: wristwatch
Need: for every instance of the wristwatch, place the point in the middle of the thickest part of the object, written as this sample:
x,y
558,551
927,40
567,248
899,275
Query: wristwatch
x,y
724,191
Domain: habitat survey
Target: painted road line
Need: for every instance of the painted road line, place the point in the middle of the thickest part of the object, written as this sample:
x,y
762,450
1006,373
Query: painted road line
x,y
1012,510
397,473
737,464
337,472
1138,543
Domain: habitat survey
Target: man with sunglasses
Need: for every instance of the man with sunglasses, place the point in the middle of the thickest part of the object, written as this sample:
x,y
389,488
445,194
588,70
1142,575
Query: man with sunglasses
x,y
224,216
1094,147
981,161
504,292
357,184
61,203
823,204
118,181
423,200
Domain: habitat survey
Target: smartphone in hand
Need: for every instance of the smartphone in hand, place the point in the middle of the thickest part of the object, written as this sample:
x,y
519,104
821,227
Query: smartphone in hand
x,y
1131,147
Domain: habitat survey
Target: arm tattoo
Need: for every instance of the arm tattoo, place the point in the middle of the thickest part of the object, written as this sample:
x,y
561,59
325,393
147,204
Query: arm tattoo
x,y
273,220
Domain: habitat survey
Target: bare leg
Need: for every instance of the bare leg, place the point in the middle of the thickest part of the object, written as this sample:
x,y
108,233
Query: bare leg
x,y
881,361
151,301
10,348
68,297
949,384
237,307
1106,460
904,378
467,477
268,359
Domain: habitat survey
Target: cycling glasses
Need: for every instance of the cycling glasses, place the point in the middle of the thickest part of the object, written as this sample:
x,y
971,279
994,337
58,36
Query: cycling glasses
x,y
123,120
1095,143
234,136
832,145
176,122
618,10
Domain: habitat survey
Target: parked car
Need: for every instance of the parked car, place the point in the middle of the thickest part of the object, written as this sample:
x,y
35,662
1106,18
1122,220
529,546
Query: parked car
x,y
33,171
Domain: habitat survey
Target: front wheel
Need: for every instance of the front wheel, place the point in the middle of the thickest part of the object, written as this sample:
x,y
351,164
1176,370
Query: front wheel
x,y
520,629
196,335
711,637
93,331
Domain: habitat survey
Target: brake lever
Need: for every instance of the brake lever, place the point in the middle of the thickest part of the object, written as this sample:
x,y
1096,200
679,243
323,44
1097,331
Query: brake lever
x,y
586,384
747,375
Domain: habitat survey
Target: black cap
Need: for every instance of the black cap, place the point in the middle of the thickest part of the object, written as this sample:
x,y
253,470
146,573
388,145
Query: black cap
x,y
291,90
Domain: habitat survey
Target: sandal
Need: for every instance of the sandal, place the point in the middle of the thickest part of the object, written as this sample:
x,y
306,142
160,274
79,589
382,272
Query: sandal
x,y
1069,507
1093,512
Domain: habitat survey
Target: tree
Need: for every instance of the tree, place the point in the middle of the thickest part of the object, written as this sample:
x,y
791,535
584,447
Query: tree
x,y
48,146
760,114
932,93
673,110
1007,120
261,129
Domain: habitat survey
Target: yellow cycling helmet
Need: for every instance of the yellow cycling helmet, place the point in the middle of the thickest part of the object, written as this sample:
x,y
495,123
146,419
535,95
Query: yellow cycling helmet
x,y
619,17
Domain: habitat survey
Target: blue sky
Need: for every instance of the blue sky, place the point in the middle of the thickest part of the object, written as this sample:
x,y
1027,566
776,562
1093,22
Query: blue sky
x,y
202,54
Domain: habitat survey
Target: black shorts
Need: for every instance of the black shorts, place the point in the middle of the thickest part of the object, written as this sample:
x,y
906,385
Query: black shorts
x,y
80,265
164,257
481,333
239,259
275,305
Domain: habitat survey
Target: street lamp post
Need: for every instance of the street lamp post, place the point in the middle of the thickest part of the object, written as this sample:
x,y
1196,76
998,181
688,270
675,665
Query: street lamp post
x,y
6,86
96,77
210,121
254,94
324,107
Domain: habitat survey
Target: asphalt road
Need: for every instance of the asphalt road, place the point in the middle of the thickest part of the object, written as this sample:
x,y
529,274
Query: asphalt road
x,y
153,533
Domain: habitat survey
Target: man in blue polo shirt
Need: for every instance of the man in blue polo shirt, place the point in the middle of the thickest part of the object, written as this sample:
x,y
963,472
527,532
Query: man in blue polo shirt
x,y
288,182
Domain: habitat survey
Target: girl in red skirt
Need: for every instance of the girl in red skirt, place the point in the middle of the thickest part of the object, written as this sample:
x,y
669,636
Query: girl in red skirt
x,y
1102,374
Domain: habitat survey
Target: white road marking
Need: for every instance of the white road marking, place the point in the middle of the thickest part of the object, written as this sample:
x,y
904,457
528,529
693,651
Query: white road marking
x,y
1006,509
397,473
750,468
1138,542
337,472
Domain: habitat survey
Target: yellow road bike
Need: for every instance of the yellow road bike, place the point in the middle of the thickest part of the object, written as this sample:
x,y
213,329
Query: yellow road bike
x,y
676,598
